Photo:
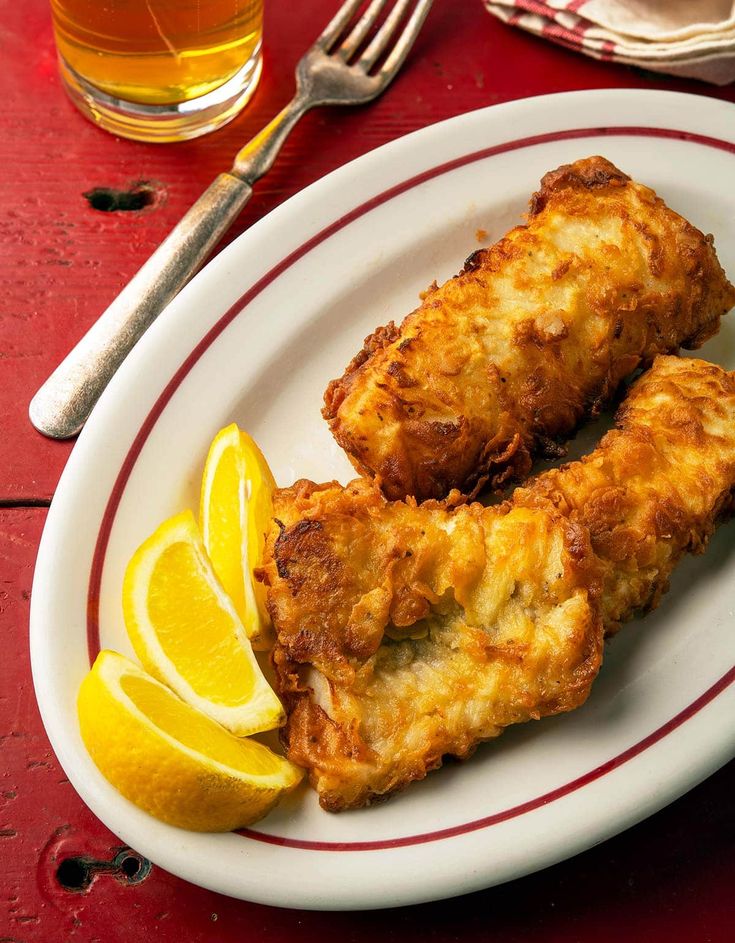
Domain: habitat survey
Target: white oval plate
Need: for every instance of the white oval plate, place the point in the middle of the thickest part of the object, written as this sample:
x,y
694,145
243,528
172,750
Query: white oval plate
x,y
255,338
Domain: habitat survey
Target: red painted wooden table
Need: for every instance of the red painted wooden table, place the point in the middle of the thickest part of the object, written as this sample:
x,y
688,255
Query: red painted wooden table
x,y
65,877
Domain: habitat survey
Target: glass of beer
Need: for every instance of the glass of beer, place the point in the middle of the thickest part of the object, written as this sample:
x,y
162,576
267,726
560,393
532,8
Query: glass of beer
x,y
159,70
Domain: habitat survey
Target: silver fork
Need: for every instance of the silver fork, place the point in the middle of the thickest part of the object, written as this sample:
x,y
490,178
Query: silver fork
x,y
330,73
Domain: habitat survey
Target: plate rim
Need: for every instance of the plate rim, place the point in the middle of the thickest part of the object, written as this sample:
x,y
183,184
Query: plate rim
x,y
333,180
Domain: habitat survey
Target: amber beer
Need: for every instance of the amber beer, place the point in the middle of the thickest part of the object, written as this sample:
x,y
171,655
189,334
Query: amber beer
x,y
158,56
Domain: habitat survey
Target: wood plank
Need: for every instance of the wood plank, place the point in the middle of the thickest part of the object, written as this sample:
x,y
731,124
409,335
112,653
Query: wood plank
x,y
668,879
62,262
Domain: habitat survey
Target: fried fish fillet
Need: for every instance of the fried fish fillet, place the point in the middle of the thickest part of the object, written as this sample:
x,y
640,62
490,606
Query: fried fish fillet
x,y
406,633
502,361
656,486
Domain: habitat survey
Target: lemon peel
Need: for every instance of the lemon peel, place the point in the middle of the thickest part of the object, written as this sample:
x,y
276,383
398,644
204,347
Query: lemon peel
x,y
171,760
187,634
236,507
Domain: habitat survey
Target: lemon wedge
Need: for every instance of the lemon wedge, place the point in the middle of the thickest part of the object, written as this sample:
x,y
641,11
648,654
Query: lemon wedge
x,y
235,514
186,632
171,760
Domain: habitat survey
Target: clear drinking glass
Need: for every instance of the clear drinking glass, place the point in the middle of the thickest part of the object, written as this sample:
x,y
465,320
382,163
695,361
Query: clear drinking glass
x,y
159,70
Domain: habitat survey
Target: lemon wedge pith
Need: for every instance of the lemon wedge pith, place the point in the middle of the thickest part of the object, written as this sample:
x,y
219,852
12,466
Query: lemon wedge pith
x,y
187,634
235,513
169,759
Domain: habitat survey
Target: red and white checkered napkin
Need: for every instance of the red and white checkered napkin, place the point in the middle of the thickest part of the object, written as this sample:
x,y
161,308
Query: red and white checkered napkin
x,y
690,38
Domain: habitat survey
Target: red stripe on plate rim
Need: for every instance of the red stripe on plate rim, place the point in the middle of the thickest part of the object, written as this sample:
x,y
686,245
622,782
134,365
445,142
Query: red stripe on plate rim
x,y
514,811
103,536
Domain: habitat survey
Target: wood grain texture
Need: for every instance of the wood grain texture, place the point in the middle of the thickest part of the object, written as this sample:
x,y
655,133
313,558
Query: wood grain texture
x,y
667,880
61,263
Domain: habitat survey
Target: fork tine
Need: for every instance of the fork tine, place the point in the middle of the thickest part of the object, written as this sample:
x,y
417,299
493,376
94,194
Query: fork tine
x,y
402,47
362,28
331,32
381,39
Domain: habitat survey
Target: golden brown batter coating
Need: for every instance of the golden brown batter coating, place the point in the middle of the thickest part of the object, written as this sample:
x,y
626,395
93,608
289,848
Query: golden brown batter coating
x,y
502,361
407,632
657,484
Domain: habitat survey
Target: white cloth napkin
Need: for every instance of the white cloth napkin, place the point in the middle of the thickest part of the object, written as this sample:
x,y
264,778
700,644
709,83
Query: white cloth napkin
x,y
688,38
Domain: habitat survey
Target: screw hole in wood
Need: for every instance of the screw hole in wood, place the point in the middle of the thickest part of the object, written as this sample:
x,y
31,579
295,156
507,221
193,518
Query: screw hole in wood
x,y
109,200
77,872
131,867
73,874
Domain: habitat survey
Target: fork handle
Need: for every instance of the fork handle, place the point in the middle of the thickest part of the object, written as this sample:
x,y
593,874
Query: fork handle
x,y
61,406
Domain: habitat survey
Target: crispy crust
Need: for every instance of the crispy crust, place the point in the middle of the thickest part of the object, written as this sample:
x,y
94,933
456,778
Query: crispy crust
x,y
413,627
656,486
408,632
501,362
